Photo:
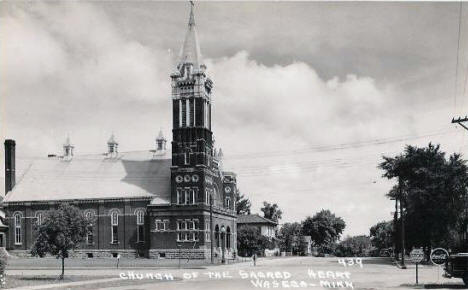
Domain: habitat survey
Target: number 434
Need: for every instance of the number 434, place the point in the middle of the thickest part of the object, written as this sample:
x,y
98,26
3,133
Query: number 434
x,y
350,262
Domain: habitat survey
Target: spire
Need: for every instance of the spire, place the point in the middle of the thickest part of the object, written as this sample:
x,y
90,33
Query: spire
x,y
112,140
160,135
67,141
190,52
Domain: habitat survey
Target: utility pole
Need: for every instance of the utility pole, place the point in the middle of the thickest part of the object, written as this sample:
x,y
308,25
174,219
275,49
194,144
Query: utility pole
x,y
460,122
395,230
402,217
211,228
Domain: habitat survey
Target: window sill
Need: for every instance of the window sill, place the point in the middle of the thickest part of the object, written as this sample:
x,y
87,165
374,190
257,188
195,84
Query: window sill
x,y
114,243
18,244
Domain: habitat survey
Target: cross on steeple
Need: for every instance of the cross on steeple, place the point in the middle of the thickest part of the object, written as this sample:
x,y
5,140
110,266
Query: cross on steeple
x,y
192,18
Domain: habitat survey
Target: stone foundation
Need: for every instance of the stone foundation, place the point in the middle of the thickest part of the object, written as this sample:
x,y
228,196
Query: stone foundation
x,y
193,254
104,253
20,253
83,253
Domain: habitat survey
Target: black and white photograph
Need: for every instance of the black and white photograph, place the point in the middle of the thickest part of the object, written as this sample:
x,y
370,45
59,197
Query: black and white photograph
x,y
233,144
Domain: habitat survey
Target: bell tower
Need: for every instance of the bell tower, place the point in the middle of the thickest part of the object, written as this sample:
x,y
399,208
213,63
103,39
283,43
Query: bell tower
x,y
192,137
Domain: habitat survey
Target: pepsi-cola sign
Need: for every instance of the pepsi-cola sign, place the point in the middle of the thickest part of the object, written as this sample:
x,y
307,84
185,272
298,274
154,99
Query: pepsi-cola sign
x,y
439,256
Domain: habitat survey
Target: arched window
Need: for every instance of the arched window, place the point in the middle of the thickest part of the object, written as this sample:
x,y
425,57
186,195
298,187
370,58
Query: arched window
x,y
114,226
228,237
18,233
38,218
140,221
89,215
217,235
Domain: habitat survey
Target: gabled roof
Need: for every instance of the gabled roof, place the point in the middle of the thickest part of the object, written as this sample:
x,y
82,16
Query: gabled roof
x,y
190,52
128,175
254,219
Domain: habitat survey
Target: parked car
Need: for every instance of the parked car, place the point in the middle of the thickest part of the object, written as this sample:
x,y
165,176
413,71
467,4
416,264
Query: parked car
x,y
456,266
386,252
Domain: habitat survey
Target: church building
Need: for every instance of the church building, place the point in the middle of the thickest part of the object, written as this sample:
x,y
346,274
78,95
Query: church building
x,y
174,200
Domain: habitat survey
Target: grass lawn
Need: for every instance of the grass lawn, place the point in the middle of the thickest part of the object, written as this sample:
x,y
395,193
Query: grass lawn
x,y
117,283
14,281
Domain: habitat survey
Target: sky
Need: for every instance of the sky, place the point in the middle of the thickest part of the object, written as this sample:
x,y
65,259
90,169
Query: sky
x,y
308,96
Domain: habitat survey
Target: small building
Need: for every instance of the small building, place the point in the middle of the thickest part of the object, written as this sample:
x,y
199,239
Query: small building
x,y
267,227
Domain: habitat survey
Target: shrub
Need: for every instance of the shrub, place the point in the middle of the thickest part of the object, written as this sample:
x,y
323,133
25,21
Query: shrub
x,y
3,264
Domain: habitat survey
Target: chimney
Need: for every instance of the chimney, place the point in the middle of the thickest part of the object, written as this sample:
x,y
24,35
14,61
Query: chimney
x,y
10,174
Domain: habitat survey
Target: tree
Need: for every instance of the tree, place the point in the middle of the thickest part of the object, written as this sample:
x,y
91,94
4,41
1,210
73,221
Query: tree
x,y
357,246
250,241
3,264
61,231
290,237
381,235
242,204
271,211
432,190
324,228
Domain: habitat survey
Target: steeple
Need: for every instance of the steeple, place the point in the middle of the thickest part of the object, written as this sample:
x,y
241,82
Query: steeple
x,y
68,149
191,105
190,52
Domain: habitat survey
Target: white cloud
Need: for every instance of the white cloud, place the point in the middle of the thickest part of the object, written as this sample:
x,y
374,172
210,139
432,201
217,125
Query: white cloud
x,y
67,68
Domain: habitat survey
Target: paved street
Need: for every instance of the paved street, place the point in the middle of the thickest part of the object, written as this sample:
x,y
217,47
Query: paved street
x,y
308,272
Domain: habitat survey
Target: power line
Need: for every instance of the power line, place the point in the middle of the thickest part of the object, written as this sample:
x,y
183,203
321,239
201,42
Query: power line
x,y
342,146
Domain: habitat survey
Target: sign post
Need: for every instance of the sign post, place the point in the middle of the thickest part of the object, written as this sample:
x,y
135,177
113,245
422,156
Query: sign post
x,y
417,256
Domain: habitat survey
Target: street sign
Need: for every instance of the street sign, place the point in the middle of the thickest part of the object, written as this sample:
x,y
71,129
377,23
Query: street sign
x,y
417,255
439,256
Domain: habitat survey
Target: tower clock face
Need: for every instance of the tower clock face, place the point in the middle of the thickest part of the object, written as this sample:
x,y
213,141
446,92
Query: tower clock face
x,y
179,178
227,189
195,178
187,178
